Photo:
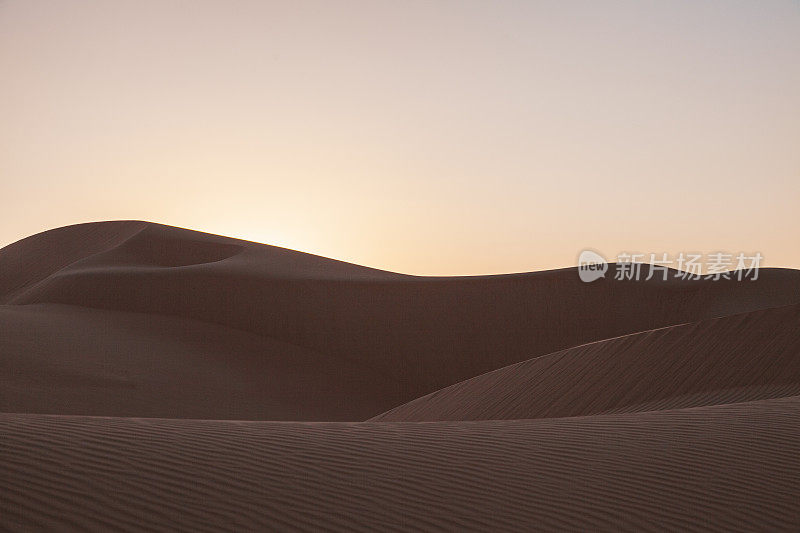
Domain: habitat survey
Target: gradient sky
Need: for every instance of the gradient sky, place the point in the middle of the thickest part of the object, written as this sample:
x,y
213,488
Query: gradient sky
x,y
446,137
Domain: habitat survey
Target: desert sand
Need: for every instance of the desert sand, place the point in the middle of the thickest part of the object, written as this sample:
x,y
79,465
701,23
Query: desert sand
x,y
157,378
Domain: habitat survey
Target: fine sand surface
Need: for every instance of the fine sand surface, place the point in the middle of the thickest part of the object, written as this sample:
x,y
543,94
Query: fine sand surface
x,y
728,467
738,358
159,378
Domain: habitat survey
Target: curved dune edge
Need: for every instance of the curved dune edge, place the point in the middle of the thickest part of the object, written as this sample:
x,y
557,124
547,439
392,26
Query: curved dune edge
x,y
725,360
143,292
35,258
725,468
510,403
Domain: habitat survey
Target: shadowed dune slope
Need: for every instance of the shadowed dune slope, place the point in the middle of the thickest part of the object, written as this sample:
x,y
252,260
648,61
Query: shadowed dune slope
x,y
407,336
510,403
57,358
33,259
724,468
732,359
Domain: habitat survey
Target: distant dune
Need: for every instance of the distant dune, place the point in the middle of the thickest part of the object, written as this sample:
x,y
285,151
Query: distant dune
x,y
265,325
327,395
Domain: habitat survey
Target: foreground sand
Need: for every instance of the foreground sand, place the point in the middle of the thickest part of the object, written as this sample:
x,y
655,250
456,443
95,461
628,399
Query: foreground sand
x,y
728,467
228,383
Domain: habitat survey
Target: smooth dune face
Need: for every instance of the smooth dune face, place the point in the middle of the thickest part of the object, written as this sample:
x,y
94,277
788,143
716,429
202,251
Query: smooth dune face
x,y
31,260
520,402
361,340
74,360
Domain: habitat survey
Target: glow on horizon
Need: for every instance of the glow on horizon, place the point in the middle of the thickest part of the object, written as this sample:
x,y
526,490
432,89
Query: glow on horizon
x,y
440,138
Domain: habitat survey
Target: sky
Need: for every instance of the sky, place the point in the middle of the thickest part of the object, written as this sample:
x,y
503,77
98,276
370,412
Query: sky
x,y
424,137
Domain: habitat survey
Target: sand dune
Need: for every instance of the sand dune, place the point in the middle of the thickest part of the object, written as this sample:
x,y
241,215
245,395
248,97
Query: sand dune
x,y
59,358
33,259
732,359
409,336
517,402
